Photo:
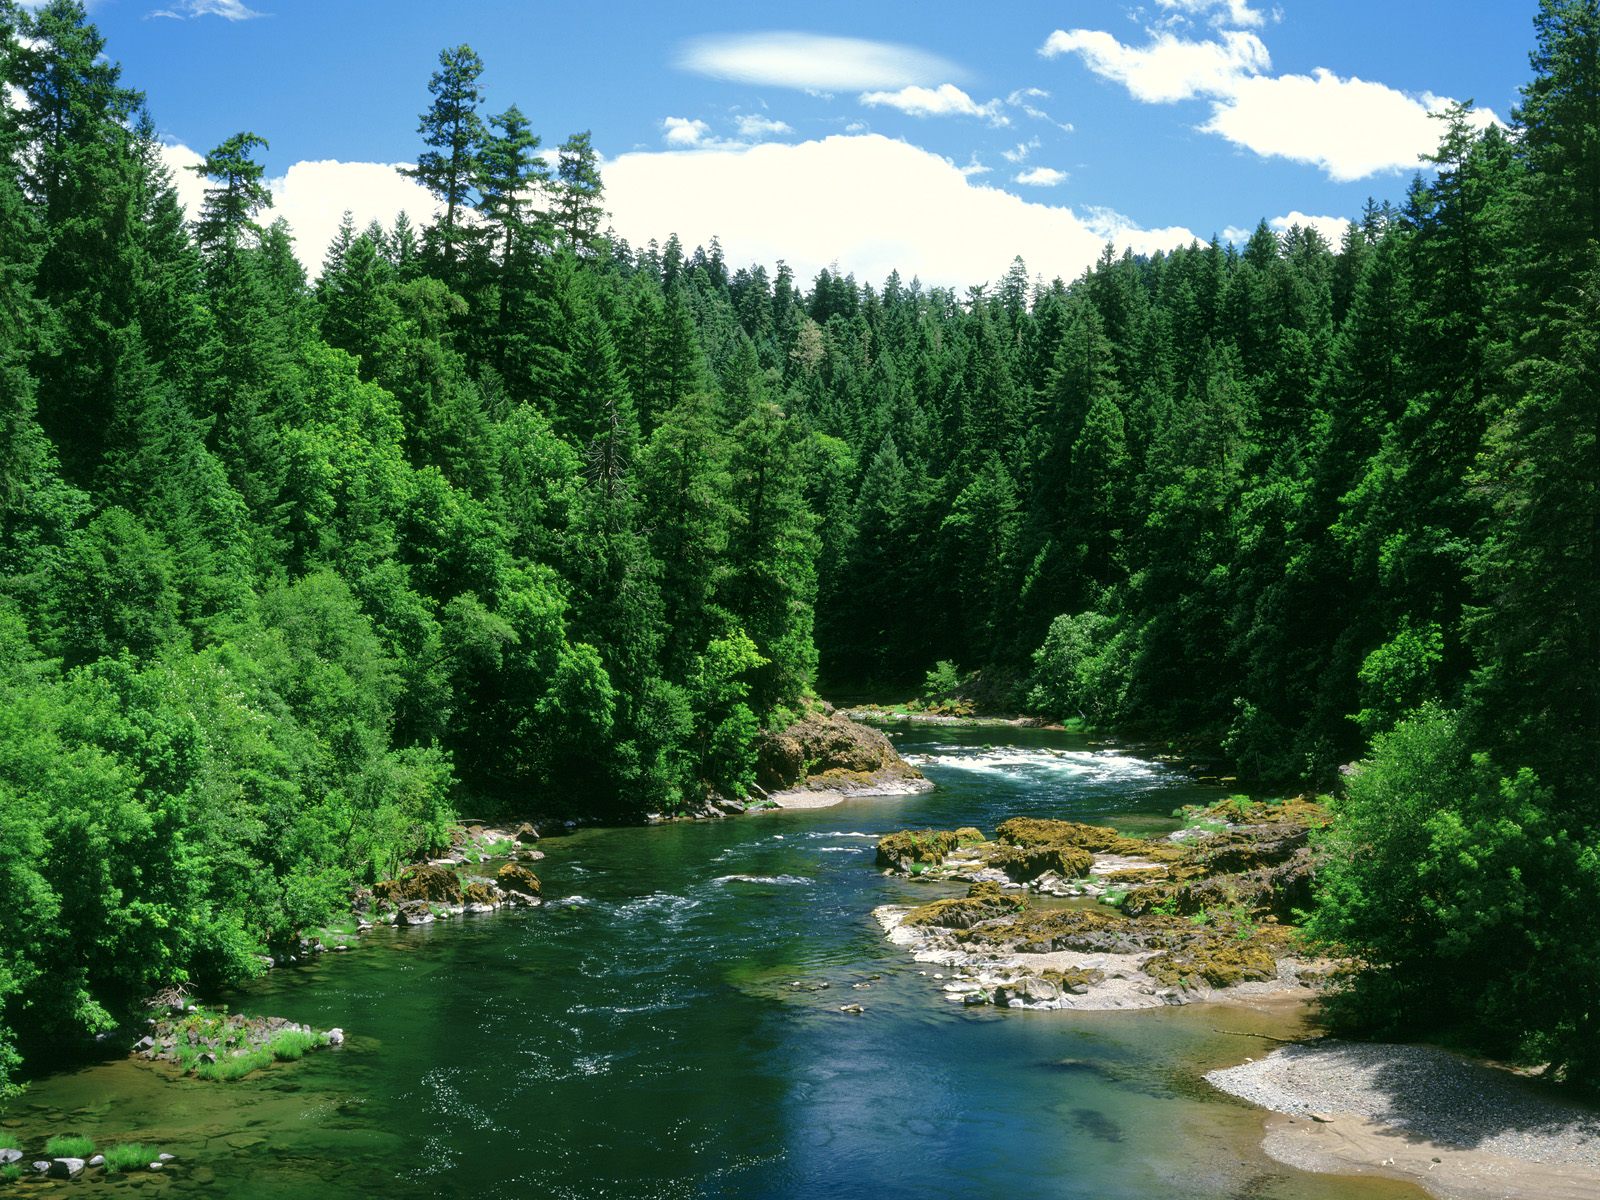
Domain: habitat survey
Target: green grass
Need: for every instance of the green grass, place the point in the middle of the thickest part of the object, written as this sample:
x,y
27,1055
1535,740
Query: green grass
x,y
11,1172
134,1156
69,1146
234,1066
292,1044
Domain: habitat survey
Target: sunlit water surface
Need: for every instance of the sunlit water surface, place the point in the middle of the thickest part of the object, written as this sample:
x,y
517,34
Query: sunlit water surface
x,y
642,1035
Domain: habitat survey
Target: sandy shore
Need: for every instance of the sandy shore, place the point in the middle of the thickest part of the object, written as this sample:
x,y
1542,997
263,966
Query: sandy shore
x,y
1460,1129
828,797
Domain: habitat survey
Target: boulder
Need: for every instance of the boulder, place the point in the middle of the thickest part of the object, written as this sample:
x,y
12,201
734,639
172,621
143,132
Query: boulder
x,y
9,1156
822,744
99,1160
437,884
519,880
41,1166
903,850
413,912
525,834
983,902
1029,991
335,1037
65,1168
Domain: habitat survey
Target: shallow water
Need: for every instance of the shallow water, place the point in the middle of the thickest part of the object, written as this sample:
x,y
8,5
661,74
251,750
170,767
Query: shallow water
x,y
659,1029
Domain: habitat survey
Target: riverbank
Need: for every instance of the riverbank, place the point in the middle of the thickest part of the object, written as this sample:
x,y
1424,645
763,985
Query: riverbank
x,y
1461,1129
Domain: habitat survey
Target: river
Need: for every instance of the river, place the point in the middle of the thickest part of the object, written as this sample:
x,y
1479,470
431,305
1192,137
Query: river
x,y
643,1035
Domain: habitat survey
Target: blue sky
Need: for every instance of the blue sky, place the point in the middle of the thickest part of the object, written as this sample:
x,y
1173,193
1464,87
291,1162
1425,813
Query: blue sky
x,y
939,136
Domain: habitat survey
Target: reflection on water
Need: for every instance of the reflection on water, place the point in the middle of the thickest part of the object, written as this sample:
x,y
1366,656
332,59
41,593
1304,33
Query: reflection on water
x,y
671,1025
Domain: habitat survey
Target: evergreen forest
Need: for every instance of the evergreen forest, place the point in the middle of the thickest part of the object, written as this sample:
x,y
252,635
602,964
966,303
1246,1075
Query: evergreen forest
x,y
503,514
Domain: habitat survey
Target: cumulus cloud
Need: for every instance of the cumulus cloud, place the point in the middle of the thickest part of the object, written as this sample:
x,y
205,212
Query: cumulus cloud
x,y
946,100
1040,177
754,125
1350,128
811,62
313,196
1169,68
228,10
1332,229
871,204
681,131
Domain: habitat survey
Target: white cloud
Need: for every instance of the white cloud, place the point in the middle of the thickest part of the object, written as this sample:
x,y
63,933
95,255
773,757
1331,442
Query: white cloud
x,y
1332,229
811,62
871,204
1349,127
1021,150
946,100
1023,98
1040,177
228,10
1230,12
974,168
312,197
754,125
681,131
1169,68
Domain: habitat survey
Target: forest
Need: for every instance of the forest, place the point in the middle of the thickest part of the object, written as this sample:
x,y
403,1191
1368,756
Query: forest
x,y
505,513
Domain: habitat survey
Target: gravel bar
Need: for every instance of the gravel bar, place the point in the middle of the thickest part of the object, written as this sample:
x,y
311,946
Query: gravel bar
x,y
1426,1092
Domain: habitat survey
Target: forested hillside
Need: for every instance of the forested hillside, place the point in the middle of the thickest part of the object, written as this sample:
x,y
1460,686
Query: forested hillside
x,y
506,509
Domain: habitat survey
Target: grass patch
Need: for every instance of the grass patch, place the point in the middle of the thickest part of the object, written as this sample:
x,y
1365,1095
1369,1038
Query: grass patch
x,y
292,1044
69,1145
135,1156
234,1066
10,1173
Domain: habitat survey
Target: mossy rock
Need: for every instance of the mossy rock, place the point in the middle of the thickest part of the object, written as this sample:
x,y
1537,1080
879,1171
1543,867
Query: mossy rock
x,y
1035,831
1075,981
927,846
1024,863
478,892
1220,961
983,902
437,885
514,877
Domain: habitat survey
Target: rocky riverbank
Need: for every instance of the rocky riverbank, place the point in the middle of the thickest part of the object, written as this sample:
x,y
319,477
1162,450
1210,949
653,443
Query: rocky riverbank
x,y
1061,915
1461,1129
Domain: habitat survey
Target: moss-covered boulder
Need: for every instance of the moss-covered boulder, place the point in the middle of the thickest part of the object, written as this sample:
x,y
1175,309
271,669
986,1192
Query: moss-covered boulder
x,y
1026,863
480,893
927,847
513,877
1218,961
824,747
983,902
1033,831
437,885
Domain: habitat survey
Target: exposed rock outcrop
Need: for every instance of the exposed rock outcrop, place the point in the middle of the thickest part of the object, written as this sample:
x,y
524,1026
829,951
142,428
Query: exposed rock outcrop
x,y
826,752
1201,912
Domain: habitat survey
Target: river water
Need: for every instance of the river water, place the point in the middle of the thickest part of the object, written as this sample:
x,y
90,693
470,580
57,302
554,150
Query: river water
x,y
643,1034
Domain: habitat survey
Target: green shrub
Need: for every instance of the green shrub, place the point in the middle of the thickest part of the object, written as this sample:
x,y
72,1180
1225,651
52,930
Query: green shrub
x,y
10,1173
132,1156
69,1146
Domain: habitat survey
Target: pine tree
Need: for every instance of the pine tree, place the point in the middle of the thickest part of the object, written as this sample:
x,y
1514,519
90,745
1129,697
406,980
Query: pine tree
x,y
451,166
